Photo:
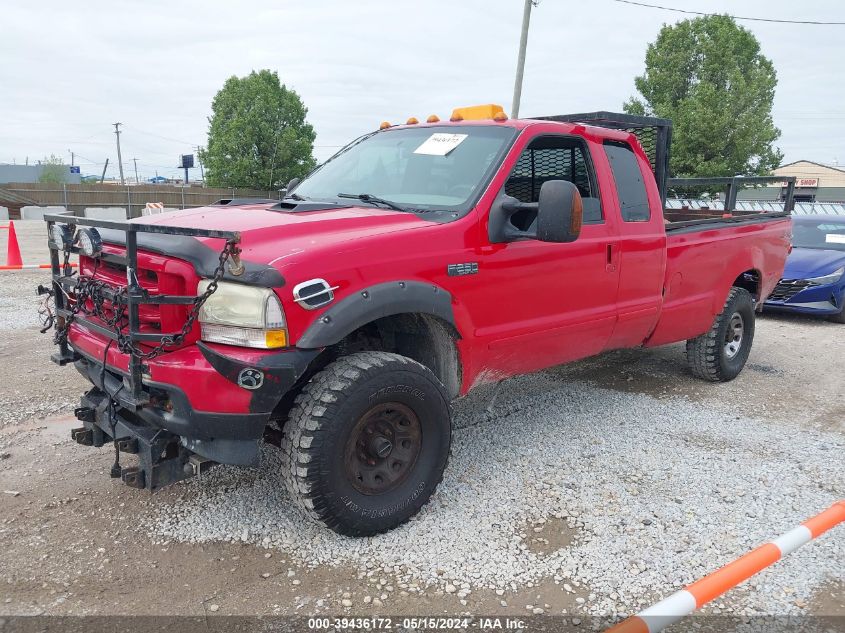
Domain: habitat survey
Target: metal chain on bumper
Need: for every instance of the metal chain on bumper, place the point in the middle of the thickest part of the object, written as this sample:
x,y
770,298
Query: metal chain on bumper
x,y
88,288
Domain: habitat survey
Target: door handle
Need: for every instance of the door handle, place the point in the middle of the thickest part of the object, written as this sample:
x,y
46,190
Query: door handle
x,y
610,265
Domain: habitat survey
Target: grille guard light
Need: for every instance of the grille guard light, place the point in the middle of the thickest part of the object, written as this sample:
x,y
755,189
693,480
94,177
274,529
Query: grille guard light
x,y
62,236
90,242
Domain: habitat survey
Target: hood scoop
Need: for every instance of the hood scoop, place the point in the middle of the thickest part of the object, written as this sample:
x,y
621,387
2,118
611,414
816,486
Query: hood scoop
x,y
294,206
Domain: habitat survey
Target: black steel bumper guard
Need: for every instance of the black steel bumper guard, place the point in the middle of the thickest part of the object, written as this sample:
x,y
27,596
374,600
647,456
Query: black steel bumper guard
x,y
114,410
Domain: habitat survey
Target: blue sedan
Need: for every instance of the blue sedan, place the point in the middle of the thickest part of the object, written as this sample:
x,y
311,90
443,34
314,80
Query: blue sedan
x,y
814,278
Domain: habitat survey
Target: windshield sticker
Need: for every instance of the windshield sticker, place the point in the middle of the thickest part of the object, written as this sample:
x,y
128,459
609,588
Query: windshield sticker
x,y
440,144
835,238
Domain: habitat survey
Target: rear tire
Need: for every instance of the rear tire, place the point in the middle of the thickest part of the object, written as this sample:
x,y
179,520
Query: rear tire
x,y
366,442
720,354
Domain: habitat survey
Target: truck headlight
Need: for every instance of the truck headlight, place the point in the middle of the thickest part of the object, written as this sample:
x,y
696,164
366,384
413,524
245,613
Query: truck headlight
x,y
828,279
242,315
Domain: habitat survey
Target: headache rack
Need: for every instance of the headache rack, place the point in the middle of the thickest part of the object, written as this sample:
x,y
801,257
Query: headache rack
x,y
655,137
653,133
132,394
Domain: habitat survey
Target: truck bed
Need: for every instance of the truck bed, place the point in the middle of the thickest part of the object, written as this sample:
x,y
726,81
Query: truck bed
x,y
680,219
708,255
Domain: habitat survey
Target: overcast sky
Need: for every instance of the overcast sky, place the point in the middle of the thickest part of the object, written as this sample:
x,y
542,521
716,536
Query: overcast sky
x,y
71,69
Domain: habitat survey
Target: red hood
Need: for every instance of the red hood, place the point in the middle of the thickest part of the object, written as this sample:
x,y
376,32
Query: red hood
x,y
268,236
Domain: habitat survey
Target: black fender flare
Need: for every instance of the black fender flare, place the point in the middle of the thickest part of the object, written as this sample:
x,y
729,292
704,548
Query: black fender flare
x,y
376,302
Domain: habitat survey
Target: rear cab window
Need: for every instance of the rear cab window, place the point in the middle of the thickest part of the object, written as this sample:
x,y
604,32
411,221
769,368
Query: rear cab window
x,y
552,157
630,185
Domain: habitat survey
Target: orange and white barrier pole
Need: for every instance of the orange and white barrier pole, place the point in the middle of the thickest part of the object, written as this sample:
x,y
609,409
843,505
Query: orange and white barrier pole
x,y
694,596
31,266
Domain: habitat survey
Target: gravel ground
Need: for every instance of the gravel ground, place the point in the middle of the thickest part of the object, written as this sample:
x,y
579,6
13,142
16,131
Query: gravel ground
x,y
18,301
656,492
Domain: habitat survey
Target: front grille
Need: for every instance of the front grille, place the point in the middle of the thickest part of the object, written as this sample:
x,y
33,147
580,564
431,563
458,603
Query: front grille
x,y
788,288
154,276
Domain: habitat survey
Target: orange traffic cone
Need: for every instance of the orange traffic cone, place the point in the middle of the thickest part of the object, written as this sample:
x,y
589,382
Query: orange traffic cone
x,y
13,251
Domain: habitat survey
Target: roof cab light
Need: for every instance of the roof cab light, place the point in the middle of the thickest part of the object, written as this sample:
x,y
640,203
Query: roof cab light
x,y
90,242
241,315
62,236
479,112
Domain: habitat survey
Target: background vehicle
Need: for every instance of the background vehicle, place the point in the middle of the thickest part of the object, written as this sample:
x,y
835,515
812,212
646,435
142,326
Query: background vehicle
x,y
419,262
814,278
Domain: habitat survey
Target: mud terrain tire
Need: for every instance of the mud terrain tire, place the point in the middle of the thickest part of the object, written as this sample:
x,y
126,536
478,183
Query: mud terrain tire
x,y
366,442
720,354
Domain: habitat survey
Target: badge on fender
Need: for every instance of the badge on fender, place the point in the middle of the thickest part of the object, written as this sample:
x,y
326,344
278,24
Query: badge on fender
x,y
250,378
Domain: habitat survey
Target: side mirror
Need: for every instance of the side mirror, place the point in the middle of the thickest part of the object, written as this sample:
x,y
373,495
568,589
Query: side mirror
x,y
560,212
292,183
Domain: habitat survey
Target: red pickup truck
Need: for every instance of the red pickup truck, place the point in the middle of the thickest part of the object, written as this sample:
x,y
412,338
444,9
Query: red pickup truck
x,y
420,261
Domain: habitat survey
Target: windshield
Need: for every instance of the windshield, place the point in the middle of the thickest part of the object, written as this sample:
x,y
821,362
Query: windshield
x,y
425,168
821,233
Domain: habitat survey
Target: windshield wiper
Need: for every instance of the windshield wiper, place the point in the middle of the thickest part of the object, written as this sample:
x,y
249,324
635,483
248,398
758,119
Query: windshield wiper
x,y
366,197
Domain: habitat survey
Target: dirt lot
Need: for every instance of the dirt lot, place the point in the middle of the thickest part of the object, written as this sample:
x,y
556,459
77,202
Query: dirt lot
x,y
586,490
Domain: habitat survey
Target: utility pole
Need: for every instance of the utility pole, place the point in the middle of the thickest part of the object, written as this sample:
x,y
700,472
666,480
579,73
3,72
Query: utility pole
x,y
202,171
119,159
105,167
72,155
520,61
135,160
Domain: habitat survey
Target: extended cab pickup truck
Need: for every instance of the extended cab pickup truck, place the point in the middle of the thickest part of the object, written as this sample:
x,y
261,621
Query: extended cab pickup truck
x,y
420,261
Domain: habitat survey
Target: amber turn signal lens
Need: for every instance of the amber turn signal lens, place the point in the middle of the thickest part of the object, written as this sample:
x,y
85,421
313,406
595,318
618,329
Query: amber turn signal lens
x,y
276,338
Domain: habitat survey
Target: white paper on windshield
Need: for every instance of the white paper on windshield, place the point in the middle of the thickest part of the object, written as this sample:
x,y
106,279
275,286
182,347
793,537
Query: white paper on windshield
x,y
440,144
835,238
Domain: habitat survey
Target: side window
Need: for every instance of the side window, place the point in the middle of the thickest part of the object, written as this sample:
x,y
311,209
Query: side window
x,y
633,199
555,158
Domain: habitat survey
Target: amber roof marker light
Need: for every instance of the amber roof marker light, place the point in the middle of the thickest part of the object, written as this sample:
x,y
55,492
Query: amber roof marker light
x,y
384,125
412,120
432,118
478,112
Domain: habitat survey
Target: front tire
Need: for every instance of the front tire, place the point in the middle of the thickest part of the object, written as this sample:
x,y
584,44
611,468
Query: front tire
x,y
366,442
720,354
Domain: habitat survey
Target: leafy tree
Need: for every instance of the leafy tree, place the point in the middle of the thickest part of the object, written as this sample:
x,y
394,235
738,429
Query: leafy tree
x,y
258,137
709,76
53,170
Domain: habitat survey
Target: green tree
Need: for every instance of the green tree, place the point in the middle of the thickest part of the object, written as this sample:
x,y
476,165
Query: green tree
x,y
258,137
709,76
53,170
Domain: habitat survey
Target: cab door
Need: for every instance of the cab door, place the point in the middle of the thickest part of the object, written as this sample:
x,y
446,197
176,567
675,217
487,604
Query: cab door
x,y
549,303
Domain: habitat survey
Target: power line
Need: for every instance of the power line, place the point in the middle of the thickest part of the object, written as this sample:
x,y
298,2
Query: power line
x,y
166,138
735,17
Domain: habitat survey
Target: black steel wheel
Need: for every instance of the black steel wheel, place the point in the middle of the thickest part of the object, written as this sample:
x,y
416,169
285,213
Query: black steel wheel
x,y
382,448
366,442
